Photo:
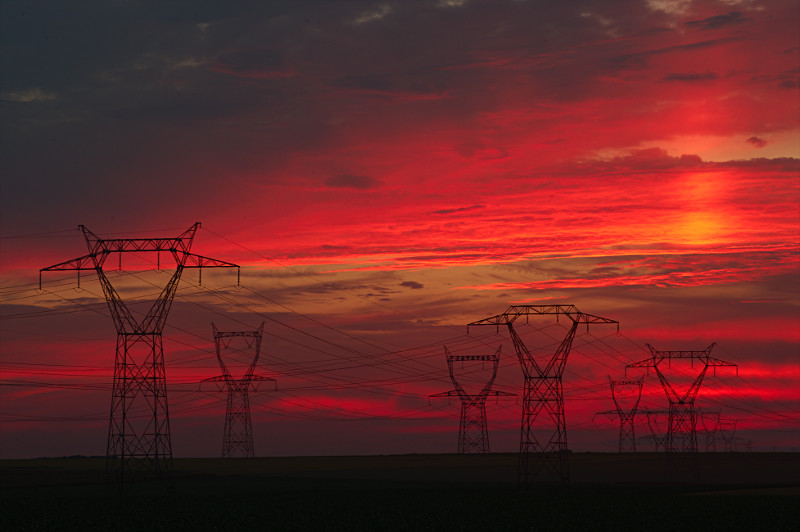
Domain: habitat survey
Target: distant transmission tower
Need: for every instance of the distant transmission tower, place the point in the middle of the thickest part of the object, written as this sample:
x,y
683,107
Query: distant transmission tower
x,y
238,437
626,410
710,421
727,431
682,423
543,400
473,435
138,435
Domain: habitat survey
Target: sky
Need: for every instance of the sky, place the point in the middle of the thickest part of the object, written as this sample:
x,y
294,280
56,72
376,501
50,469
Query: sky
x,y
386,173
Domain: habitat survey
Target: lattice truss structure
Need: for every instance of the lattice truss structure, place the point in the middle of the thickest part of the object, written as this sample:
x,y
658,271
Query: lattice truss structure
x,y
709,419
543,399
473,433
139,442
726,429
682,422
626,395
237,440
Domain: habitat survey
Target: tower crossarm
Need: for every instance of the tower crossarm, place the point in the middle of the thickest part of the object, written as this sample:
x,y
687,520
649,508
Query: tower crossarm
x,y
617,384
241,383
479,358
451,359
177,245
100,249
199,261
516,311
219,337
715,362
87,262
81,263
646,363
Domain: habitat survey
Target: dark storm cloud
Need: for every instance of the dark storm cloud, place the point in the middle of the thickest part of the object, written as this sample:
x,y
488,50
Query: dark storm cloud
x,y
757,142
412,285
691,76
734,18
359,182
459,209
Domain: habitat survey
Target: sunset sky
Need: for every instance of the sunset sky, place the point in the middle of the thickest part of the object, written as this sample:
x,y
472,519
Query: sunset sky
x,y
385,173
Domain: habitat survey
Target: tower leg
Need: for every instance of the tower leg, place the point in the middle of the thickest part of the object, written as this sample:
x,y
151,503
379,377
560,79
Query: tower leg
x,y
543,440
238,439
139,443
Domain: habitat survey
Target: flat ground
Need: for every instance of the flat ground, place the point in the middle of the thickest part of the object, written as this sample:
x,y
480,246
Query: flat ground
x,y
716,491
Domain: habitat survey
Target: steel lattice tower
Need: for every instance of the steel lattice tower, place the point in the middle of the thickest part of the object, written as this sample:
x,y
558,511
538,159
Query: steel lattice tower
x,y
626,412
139,441
543,400
473,435
710,422
238,437
682,423
727,431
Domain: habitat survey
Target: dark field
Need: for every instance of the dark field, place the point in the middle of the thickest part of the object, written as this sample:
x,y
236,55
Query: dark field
x,y
710,491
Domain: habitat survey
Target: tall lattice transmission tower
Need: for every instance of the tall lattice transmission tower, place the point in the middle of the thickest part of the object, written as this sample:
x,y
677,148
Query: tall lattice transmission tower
x,y
473,434
626,395
543,399
139,441
238,437
682,423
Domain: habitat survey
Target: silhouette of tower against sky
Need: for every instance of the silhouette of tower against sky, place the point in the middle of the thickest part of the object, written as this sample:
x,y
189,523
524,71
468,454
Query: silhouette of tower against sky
x,y
710,421
543,399
139,442
473,435
237,440
682,422
626,395
727,433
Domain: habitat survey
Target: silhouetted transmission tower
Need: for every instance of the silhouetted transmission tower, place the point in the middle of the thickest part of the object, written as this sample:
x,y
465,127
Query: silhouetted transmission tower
x,y
682,422
139,439
473,435
710,421
238,437
727,431
543,400
626,410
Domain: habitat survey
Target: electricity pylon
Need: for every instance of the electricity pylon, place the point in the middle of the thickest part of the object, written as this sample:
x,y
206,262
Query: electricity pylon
x,y
139,441
238,437
710,421
727,431
626,410
543,400
682,422
473,434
